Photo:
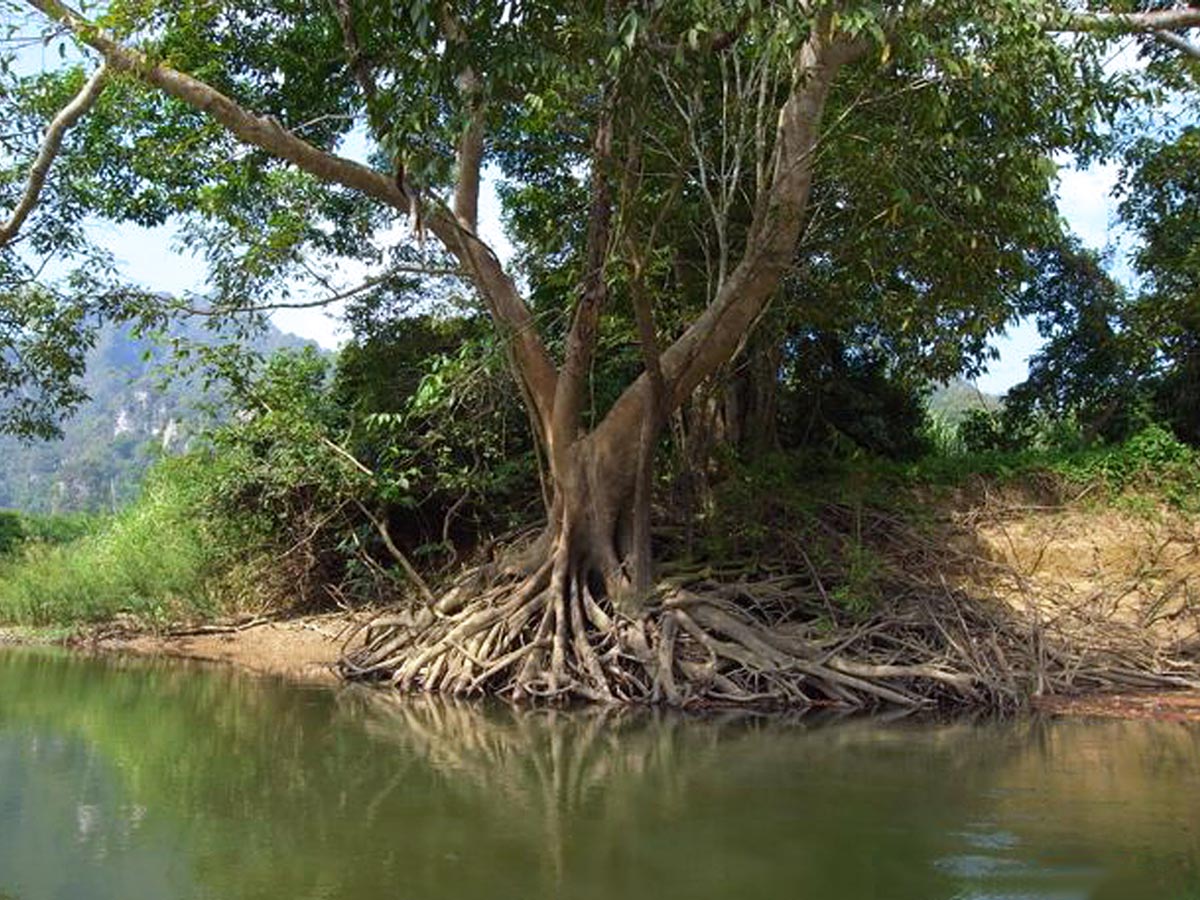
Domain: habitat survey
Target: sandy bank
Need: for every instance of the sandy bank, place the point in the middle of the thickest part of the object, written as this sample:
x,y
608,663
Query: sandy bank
x,y
301,649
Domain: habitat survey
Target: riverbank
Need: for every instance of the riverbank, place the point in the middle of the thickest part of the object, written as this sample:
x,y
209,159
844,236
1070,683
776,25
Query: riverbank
x,y
980,595
304,650
301,649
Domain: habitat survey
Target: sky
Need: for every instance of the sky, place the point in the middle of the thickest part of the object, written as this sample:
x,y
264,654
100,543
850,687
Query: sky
x,y
150,258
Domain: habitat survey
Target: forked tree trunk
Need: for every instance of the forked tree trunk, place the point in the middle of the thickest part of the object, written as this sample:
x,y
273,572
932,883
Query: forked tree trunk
x,y
577,618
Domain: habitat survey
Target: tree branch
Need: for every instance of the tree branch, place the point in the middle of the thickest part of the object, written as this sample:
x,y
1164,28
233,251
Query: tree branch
x,y
714,42
508,310
1161,24
470,155
581,341
776,227
397,554
1132,22
329,300
51,144
647,334
359,66
458,231
636,254
260,131
1173,40
470,145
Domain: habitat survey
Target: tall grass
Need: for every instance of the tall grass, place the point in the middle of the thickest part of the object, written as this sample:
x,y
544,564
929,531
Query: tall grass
x,y
150,561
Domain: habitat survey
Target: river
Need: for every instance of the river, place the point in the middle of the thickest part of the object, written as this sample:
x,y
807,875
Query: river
x,y
130,779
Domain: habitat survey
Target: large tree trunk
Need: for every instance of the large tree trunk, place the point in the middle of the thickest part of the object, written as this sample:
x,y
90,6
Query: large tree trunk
x,y
554,620
595,515
572,617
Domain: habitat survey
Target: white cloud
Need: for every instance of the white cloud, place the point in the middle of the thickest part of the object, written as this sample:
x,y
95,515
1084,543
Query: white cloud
x,y
1085,200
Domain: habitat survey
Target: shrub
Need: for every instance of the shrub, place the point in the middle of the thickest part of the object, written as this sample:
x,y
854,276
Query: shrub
x,y
980,431
1152,461
12,532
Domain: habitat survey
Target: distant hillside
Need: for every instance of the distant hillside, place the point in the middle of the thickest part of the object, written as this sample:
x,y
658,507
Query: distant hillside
x,y
110,441
953,400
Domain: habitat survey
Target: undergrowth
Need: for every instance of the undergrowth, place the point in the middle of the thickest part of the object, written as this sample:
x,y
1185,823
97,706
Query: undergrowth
x,y
177,555
783,503
1153,466
150,562
755,500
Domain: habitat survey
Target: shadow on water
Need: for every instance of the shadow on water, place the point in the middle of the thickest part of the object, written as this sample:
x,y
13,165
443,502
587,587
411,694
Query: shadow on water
x,y
123,778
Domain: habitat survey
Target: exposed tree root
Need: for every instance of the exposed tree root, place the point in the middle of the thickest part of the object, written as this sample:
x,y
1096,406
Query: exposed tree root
x,y
694,646
760,639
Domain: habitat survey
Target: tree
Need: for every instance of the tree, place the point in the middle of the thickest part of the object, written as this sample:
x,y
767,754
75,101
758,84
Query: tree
x,y
1114,360
1093,366
680,143
1162,202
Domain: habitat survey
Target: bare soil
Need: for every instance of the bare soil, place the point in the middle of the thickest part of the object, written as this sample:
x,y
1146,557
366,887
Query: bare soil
x,y
1128,569
301,649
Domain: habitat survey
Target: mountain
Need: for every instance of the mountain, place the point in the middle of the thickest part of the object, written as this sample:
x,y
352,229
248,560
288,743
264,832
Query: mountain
x,y
133,415
954,399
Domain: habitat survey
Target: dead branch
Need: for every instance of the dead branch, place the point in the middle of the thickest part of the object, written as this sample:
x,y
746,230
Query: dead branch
x,y
397,554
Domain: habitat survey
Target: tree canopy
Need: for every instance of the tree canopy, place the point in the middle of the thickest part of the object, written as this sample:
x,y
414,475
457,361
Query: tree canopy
x,y
932,167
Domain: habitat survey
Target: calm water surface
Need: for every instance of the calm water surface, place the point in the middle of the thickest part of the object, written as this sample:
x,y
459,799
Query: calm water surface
x,y
130,780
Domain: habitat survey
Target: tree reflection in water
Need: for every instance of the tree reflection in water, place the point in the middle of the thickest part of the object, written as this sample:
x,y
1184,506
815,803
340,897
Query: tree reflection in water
x,y
252,788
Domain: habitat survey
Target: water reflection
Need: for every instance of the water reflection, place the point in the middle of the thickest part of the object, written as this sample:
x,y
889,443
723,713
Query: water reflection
x,y
65,830
122,779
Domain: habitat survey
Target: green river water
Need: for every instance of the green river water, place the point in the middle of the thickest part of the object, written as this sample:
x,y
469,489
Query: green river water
x,y
128,780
